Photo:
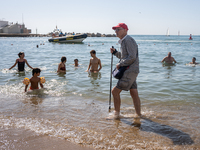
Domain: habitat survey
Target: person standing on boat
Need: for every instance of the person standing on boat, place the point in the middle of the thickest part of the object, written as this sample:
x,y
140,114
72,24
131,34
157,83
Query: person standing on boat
x,y
128,57
169,59
53,35
61,34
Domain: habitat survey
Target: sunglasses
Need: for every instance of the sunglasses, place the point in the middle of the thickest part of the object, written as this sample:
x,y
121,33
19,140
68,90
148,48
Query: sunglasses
x,y
116,30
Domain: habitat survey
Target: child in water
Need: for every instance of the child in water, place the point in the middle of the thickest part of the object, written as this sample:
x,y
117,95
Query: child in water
x,y
61,66
35,80
75,62
21,62
94,62
194,61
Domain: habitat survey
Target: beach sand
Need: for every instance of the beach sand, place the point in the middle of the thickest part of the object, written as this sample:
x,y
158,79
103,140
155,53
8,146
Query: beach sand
x,y
21,139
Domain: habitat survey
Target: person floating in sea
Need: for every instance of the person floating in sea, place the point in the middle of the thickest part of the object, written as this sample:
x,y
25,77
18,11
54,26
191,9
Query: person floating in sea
x,y
94,63
61,66
169,59
75,62
194,61
128,57
34,80
21,62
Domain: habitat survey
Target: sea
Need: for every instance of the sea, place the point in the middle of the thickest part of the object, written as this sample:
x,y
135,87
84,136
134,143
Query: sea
x,y
74,106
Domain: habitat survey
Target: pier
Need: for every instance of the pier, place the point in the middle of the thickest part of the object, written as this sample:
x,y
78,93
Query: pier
x,y
49,35
22,35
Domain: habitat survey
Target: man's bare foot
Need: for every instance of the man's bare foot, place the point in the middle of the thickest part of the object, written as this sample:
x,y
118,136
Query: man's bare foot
x,y
114,116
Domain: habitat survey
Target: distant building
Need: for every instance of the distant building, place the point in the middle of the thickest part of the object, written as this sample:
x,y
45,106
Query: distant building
x,y
13,28
3,23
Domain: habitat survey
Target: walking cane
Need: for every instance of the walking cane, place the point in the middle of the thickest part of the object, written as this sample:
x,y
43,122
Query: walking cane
x,y
110,81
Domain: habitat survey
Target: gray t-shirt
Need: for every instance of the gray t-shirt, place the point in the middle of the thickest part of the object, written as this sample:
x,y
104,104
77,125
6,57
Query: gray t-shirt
x,y
129,54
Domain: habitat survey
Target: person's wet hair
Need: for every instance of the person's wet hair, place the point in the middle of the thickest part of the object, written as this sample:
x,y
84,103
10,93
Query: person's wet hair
x,y
35,70
63,59
20,53
92,52
194,58
75,59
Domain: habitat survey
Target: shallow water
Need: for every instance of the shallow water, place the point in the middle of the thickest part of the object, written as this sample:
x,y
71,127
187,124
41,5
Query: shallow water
x,y
74,105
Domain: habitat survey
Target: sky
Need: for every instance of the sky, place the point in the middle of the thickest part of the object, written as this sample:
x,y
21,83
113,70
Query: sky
x,y
143,17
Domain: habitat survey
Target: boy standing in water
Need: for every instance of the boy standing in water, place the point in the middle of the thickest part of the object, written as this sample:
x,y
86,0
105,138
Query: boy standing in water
x,y
21,62
94,62
35,80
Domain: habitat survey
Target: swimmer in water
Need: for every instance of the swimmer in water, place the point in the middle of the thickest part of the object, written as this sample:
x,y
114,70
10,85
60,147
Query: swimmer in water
x,y
75,62
94,63
194,61
34,80
169,59
61,66
21,62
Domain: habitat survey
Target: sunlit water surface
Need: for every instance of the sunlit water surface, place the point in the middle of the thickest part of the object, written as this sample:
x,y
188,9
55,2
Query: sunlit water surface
x,y
74,105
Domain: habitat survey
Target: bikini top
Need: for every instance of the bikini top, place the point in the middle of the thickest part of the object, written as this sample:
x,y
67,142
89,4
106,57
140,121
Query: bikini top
x,y
21,65
63,68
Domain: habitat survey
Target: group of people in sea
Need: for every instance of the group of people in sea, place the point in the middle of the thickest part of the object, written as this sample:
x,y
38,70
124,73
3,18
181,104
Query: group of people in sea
x,y
129,59
170,60
61,66
94,66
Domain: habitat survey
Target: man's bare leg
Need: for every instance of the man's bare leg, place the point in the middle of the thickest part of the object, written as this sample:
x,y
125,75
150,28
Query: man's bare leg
x,y
117,101
136,101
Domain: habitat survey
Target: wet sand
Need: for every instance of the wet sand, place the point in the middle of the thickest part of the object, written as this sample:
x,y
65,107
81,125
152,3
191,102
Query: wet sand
x,y
21,139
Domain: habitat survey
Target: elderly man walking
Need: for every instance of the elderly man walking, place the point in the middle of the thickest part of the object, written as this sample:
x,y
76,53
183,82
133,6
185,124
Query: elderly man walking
x,y
128,57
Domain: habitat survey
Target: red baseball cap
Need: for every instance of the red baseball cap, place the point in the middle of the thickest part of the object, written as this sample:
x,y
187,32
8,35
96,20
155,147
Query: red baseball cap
x,y
123,25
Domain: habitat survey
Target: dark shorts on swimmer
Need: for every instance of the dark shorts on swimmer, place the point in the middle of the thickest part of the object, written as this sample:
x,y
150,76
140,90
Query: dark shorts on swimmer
x,y
128,81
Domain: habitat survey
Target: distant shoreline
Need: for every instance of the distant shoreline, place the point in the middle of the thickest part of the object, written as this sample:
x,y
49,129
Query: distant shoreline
x,y
21,35
49,35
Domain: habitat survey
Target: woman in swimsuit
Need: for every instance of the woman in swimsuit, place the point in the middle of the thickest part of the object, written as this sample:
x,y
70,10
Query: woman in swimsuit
x,y
21,62
61,66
